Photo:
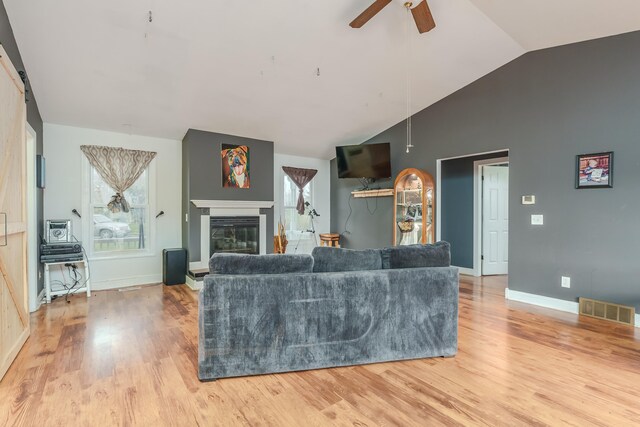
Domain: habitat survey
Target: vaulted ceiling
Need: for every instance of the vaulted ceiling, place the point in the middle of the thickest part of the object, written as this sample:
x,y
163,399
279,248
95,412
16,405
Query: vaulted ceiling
x,y
291,71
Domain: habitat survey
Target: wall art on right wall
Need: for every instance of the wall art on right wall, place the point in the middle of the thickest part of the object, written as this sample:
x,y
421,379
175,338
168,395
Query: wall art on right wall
x,y
594,170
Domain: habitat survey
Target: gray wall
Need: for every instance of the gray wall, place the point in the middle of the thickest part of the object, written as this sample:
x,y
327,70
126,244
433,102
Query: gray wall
x,y
202,180
8,42
456,206
545,107
365,222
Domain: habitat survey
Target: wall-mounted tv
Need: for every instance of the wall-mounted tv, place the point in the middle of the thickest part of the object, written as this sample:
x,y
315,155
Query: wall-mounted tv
x,y
364,161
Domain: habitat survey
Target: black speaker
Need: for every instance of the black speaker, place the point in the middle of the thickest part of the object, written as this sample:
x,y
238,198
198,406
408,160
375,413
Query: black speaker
x,y
174,266
40,171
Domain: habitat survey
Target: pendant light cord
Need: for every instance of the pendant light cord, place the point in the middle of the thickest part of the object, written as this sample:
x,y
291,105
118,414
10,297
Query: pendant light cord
x,y
408,77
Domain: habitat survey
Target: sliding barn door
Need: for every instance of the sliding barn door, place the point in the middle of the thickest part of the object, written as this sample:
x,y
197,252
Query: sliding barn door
x,y
14,321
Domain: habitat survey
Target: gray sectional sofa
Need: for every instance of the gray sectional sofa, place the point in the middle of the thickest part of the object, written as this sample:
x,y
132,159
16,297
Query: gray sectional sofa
x,y
263,314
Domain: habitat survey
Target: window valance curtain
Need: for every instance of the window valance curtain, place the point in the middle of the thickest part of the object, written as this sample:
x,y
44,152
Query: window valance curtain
x,y
120,168
300,177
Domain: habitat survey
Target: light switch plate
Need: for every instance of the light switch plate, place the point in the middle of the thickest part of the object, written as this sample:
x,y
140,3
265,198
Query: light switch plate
x,y
537,219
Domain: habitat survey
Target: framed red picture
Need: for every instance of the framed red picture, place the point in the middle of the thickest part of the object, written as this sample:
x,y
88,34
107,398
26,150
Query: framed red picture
x,y
594,170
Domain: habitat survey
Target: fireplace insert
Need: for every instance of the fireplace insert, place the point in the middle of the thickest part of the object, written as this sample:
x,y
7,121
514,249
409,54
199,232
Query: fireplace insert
x,y
235,235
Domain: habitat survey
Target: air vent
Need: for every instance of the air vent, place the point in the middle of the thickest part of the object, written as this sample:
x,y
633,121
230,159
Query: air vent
x,y
607,311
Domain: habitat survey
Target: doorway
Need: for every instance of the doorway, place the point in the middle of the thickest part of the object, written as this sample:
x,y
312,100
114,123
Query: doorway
x,y
32,222
459,209
493,216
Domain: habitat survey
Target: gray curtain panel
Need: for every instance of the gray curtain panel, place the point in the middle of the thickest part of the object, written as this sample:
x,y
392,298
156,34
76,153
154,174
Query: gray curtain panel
x,y
300,177
120,168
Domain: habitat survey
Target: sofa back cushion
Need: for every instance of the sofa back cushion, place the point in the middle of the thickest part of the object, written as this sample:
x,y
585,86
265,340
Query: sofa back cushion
x,y
327,259
260,264
416,256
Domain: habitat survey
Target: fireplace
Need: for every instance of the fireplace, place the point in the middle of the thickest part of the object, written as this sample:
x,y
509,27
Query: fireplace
x,y
234,234
235,209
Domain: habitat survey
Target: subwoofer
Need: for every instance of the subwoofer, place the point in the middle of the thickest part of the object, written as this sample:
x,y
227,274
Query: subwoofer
x,y
174,266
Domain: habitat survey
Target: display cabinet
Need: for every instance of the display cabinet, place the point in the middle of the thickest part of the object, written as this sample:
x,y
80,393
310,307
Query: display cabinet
x,y
413,209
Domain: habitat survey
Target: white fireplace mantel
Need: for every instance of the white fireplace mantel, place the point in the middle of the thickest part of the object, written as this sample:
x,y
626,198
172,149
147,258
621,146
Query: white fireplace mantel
x,y
228,208
233,204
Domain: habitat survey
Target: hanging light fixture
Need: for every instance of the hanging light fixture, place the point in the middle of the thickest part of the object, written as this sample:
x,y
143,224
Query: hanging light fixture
x,y
408,6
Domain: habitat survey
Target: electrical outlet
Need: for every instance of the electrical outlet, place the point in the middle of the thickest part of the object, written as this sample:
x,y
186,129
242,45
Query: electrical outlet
x,y
565,282
537,219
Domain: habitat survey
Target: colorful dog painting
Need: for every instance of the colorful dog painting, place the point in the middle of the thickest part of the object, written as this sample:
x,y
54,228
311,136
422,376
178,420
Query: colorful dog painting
x,y
235,166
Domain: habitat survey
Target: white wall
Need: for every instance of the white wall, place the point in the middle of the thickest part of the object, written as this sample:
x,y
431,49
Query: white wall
x,y
64,176
322,188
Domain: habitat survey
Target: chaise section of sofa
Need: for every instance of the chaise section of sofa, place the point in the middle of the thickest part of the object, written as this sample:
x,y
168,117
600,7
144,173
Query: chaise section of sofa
x,y
266,323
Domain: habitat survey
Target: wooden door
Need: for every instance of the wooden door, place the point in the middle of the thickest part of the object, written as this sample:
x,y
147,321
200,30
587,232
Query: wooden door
x,y
14,321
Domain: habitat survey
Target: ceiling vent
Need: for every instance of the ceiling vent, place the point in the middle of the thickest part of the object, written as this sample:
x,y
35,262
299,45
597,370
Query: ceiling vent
x,y
607,311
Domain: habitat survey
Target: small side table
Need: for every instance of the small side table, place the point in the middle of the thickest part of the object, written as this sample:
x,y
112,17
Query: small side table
x,y
47,280
330,239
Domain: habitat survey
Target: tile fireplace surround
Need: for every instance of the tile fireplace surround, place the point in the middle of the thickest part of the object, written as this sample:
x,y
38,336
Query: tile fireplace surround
x,y
227,208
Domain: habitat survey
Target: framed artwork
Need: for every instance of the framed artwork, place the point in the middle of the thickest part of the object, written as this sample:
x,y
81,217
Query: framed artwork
x,y
594,170
235,166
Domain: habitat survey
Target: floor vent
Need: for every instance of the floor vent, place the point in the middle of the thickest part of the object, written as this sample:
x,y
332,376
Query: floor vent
x,y
607,311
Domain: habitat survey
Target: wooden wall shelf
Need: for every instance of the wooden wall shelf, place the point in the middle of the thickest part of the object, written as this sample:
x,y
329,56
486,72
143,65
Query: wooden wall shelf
x,y
383,192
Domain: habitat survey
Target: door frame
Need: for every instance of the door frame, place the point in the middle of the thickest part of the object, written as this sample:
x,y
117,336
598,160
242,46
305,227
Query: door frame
x,y
478,224
35,300
468,271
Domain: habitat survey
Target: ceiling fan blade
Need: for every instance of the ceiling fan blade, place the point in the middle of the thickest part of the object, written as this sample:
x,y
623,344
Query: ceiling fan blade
x,y
369,13
423,17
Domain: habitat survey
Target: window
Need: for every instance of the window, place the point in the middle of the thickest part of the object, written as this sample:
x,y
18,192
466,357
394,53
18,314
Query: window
x,y
296,224
122,232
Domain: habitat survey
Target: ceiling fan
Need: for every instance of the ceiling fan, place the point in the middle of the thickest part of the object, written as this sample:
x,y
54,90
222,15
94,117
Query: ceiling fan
x,y
419,10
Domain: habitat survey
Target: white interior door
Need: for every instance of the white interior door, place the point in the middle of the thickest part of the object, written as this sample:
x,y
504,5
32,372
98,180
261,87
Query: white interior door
x,y
495,220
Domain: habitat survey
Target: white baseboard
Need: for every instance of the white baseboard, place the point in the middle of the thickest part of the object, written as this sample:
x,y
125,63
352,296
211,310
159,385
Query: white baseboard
x,y
542,301
548,302
466,271
193,284
39,301
126,282
41,298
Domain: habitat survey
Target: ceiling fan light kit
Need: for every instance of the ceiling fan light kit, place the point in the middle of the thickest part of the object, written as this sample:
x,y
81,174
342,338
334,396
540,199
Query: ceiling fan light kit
x,y
419,9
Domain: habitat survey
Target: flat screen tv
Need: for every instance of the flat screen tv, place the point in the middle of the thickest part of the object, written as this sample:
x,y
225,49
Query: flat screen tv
x,y
371,161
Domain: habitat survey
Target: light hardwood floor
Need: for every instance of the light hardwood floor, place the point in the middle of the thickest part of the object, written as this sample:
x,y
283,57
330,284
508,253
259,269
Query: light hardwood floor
x,y
129,358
